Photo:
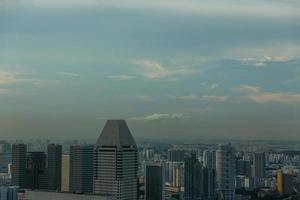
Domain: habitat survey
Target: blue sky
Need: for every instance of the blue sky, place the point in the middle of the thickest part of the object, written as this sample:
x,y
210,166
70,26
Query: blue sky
x,y
172,68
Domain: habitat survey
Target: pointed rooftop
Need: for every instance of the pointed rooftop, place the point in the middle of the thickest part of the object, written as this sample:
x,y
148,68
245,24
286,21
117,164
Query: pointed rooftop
x,y
115,133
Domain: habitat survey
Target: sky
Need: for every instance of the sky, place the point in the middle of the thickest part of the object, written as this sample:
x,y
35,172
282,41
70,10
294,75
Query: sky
x,y
174,69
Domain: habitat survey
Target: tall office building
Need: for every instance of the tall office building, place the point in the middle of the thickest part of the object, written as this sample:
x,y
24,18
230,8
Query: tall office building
x,y
116,162
81,168
191,185
154,183
18,168
65,173
36,171
54,153
225,170
209,159
209,183
199,181
259,165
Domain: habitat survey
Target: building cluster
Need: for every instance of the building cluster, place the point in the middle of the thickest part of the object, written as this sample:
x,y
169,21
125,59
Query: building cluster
x,y
223,172
36,170
107,169
115,168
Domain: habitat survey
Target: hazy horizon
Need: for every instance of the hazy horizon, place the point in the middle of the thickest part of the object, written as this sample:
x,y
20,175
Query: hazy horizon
x,y
179,69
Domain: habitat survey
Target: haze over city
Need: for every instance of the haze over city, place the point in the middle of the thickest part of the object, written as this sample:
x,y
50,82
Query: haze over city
x,y
172,69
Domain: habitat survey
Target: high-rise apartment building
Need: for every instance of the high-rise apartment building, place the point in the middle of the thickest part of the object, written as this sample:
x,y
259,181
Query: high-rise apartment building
x,y
226,171
259,165
116,162
178,175
18,168
174,173
154,181
81,168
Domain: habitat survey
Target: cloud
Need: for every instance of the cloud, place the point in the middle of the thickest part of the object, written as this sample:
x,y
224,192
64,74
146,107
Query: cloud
x,y
247,89
7,77
214,86
254,8
275,97
255,94
145,98
68,74
159,116
295,79
262,61
154,70
121,77
258,55
195,97
5,91
18,77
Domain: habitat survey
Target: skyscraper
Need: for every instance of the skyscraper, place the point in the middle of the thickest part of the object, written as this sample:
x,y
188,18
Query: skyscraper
x,y
259,165
54,153
225,170
81,168
209,159
116,162
33,171
199,181
209,183
154,183
36,171
65,173
191,184
19,164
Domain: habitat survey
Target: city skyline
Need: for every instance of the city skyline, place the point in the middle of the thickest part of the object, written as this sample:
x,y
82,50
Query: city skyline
x,y
118,168
172,69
